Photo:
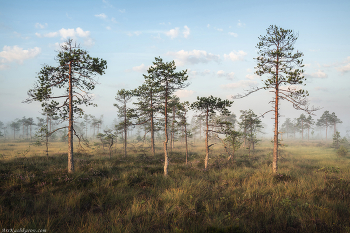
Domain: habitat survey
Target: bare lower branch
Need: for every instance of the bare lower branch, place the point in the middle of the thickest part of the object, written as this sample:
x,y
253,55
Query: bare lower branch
x,y
239,96
50,133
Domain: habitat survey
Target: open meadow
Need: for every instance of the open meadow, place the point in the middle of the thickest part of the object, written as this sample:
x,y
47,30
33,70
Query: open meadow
x,y
311,192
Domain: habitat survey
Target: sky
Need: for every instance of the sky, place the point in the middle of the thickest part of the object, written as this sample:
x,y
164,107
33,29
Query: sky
x,y
214,40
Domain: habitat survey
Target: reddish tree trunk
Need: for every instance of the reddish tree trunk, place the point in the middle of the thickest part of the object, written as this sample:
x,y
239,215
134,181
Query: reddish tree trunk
x,y
275,146
206,140
70,127
166,131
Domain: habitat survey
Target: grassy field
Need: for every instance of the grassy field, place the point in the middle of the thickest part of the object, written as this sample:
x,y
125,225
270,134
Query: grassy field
x,y
311,192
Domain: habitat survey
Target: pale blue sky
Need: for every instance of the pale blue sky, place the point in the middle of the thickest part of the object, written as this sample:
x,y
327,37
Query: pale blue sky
x,y
214,40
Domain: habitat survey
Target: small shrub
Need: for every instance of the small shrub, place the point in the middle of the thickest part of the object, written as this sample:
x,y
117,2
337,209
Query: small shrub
x,y
342,151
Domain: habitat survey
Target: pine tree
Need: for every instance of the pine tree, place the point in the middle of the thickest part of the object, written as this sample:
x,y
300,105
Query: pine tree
x,y
276,59
74,73
206,106
165,77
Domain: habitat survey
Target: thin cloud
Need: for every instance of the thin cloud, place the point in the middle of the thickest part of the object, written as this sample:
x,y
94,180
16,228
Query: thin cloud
x,y
113,20
101,16
186,32
51,34
184,93
193,57
141,68
173,33
71,33
41,26
194,73
18,54
236,56
233,34
107,4
345,68
240,24
229,76
239,84
317,74
251,76
136,33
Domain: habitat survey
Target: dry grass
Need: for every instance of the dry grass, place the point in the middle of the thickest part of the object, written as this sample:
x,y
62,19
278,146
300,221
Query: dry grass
x,y
311,193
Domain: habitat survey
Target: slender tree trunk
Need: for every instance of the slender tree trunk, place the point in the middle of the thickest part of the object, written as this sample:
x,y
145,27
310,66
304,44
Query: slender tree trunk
x,y
70,127
152,127
173,127
206,140
326,131
172,139
275,146
233,148
245,136
125,130
200,129
302,130
50,124
186,141
166,131
47,145
47,136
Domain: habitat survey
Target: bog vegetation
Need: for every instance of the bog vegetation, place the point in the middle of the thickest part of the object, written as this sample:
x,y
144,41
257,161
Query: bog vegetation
x,y
310,193
155,170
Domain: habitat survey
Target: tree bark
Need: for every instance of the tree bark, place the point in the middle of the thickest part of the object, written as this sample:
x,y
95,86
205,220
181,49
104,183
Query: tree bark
x,y
70,127
302,129
186,141
125,130
47,136
166,131
152,127
206,140
275,146
173,130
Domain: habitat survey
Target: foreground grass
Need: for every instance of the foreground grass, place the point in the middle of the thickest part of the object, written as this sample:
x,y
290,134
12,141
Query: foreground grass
x,y
310,194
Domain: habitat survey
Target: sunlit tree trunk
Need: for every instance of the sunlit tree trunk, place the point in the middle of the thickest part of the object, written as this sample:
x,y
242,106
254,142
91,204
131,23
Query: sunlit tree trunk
x,y
206,139
166,131
275,146
125,131
186,141
70,127
152,128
